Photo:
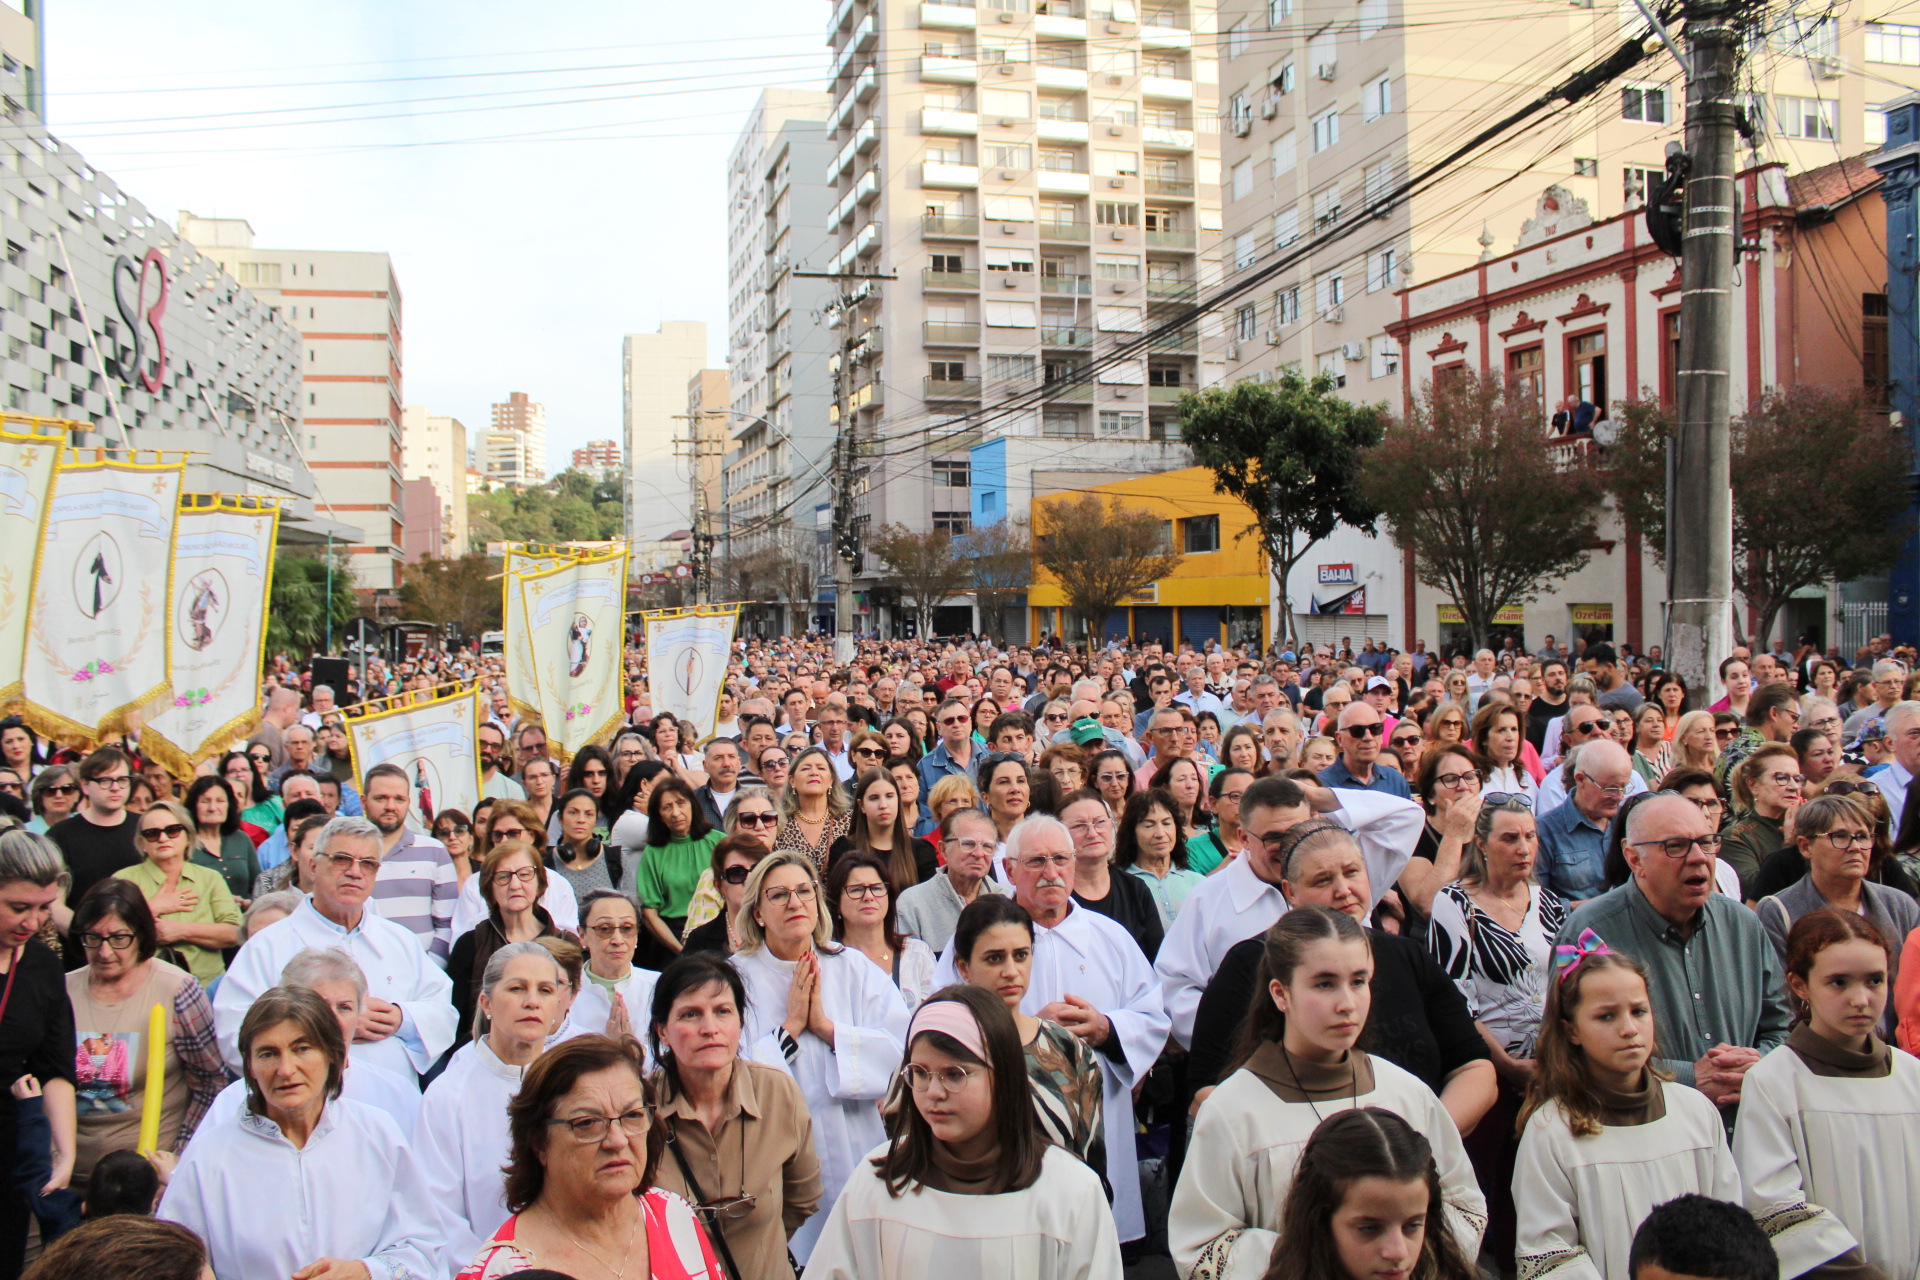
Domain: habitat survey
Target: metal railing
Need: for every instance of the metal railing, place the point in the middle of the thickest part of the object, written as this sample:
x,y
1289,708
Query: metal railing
x,y
939,224
1169,186
936,333
1066,337
1066,284
1174,239
952,388
1064,231
931,279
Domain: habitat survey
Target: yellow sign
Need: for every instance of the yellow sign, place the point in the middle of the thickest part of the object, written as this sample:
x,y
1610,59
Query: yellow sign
x,y
1512,615
1587,615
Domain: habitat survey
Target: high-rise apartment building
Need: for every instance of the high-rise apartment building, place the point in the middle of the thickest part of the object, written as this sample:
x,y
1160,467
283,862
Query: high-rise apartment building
x,y
529,421
778,199
501,457
654,371
598,458
347,307
433,447
706,447
1044,190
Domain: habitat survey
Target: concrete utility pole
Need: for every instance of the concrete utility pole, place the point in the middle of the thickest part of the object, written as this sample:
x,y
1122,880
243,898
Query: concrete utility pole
x,y
1700,571
1899,163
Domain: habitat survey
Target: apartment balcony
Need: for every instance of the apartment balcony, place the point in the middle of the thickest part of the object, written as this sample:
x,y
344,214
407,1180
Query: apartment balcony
x,y
1061,130
1176,188
871,395
952,388
944,70
946,333
1175,239
866,35
932,281
1003,279
1164,395
1066,337
1184,342
1071,286
1062,182
1167,87
1076,231
867,241
867,187
949,17
1070,392
868,136
1171,290
937,226
843,14
1060,28
1152,37
1154,135
940,120
1065,78
867,85
935,173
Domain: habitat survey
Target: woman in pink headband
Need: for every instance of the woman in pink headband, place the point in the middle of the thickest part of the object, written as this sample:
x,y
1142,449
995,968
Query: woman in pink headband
x,y
967,1184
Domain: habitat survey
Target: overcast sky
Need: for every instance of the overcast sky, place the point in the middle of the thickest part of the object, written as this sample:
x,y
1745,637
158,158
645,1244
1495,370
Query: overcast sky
x,y
527,238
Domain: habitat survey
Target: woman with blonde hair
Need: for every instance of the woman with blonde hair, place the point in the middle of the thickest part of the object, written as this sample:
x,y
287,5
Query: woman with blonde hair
x,y
1447,722
814,809
1694,746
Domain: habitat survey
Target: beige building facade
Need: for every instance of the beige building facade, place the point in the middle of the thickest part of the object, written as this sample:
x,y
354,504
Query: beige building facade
x,y
433,446
521,416
654,369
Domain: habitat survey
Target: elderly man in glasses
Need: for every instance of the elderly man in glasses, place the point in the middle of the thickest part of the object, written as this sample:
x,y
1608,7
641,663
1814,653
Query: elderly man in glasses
x,y
1715,981
1573,833
929,910
409,1018
1092,978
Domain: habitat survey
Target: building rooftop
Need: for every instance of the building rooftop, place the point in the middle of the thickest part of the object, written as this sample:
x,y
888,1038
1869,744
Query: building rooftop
x,y
1835,185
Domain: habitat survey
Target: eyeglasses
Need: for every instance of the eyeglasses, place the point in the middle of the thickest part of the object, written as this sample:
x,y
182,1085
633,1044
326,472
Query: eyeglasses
x,y
736,874
1056,717
966,845
955,720
1092,826
1599,724
1405,739
780,897
1844,787
594,1128
345,862
259,759
451,829
610,930
1725,734
93,941
777,762
733,1206
509,833
117,781
1787,779
920,1078
862,891
1681,846
1041,861
757,820
1457,781
1850,839
1108,775
172,831
14,787
524,875
1612,793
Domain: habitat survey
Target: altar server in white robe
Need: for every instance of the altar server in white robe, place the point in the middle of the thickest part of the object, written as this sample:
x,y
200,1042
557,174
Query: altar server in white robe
x,y
1604,1137
1301,1066
1241,899
409,1018
1828,1142
967,1184
303,1181
1091,977
336,979
615,996
462,1137
827,1014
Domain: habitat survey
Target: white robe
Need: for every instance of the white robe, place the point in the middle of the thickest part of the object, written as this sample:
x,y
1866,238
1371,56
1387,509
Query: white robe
x,y
363,1082
591,1008
1233,904
1245,1147
1090,956
1056,1229
462,1146
559,900
842,1084
397,968
266,1209
1578,1201
1830,1163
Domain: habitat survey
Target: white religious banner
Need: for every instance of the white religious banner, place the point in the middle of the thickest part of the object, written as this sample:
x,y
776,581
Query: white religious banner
x,y
523,689
576,630
687,655
434,741
97,658
222,581
27,460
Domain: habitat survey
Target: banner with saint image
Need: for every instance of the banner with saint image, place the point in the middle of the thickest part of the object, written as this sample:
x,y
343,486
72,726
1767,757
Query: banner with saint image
x,y
687,655
523,688
27,462
222,581
97,658
576,629
435,741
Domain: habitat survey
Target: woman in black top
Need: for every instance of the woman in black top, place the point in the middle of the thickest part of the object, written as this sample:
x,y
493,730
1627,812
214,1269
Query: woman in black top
x,y
36,1040
1419,1022
1097,885
881,828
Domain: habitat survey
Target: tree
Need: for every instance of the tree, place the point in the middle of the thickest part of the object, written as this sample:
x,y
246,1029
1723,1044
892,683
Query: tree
x,y
1812,501
1001,558
571,507
1100,553
925,568
461,591
779,571
298,608
1492,514
1291,451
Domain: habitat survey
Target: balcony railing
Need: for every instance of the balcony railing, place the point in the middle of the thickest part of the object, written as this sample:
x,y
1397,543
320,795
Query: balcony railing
x,y
1175,239
1066,337
1074,392
931,279
1066,284
939,224
938,333
1174,342
952,388
1065,231
1170,289
1164,395
1170,187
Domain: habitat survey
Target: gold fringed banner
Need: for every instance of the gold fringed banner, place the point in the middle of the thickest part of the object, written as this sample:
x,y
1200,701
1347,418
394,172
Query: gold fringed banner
x,y
27,463
687,655
435,742
576,630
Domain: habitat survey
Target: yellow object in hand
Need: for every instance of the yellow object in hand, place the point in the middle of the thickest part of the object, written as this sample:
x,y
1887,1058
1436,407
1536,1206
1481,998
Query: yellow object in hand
x,y
156,1080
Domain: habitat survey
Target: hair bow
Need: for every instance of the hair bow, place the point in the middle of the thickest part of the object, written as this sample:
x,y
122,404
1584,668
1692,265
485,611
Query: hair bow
x,y
1568,955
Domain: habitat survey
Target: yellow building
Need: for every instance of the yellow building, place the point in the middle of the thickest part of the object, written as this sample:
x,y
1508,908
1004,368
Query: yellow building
x,y
1219,591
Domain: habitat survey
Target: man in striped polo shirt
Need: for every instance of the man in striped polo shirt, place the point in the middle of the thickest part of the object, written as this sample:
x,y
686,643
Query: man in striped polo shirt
x,y
417,887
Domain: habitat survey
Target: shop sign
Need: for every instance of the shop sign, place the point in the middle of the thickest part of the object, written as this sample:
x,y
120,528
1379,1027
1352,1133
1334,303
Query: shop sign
x,y
1512,615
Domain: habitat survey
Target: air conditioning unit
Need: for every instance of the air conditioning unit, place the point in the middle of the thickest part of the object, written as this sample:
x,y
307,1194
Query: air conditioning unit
x,y
1118,287
1242,126
1273,337
1010,281
1116,79
1832,68
1327,70
1353,351
1269,109
1006,69
1115,131
1116,183
1334,315
1006,122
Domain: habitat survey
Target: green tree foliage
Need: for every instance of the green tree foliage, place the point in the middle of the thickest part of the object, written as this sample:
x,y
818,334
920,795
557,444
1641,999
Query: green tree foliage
x,y
1100,553
925,568
1291,451
297,611
460,592
571,507
1494,515
1000,556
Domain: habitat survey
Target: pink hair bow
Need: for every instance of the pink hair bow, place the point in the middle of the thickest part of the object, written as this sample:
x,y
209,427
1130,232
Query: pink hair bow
x,y
1568,955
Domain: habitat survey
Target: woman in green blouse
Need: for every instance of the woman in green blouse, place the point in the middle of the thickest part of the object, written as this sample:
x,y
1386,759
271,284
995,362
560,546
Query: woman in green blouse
x,y
218,843
679,847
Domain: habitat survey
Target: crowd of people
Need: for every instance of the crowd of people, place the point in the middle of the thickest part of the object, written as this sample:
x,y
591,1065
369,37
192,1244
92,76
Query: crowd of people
x,y
966,959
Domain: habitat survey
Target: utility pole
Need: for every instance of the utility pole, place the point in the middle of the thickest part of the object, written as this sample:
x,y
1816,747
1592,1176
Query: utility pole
x,y
1899,163
1700,571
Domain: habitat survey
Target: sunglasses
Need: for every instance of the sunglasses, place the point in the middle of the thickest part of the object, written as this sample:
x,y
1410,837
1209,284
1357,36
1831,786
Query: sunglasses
x,y
757,819
1361,730
1846,788
869,753
172,831
61,789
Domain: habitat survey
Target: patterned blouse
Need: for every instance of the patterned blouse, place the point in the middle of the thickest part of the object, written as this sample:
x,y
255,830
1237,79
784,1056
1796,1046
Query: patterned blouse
x,y
1066,1093
791,837
1503,974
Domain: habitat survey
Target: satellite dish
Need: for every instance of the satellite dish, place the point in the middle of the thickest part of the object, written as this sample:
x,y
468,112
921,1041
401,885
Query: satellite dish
x,y
1605,432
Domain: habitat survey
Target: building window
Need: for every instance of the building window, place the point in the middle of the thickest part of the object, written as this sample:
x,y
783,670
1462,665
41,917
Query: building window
x,y
1647,105
1059,160
1109,214
951,475
1245,250
1894,43
1334,365
1286,307
1586,167
1283,83
1246,322
1200,534
1637,184
1163,375
1009,155
947,370
1286,227
1382,272
1326,131
1587,362
1109,266
1386,357
1060,422
1527,369
945,263
1283,154
1373,17
1329,291
1237,39
1278,11
1058,108
1123,423
1806,118
1240,184
1005,368
952,523
1808,37
1377,98
1873,347
1873,128
1326,206
1118,111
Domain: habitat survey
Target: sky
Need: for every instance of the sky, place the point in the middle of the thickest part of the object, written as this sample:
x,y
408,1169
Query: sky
x,y
527,238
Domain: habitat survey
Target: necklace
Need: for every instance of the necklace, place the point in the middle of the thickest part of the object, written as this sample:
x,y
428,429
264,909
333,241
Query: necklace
x,y
1353,1081
620,1272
